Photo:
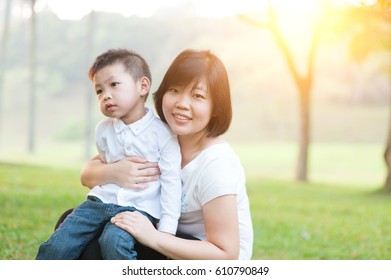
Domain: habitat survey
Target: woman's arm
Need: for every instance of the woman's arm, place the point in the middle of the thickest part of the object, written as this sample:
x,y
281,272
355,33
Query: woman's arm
x,y
130,172
221,225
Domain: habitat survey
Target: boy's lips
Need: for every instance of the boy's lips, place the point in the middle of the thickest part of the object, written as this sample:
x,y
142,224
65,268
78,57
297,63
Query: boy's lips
x,y
110,107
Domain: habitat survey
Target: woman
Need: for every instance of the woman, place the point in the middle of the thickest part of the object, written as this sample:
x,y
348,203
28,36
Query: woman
x,y
194,100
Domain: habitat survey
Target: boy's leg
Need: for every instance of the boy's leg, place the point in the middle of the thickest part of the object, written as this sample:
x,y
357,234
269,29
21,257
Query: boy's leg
x,y
117,244
77,230
92,250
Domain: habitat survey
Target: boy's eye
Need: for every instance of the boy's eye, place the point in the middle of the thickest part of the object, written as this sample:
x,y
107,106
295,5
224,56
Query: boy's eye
x,y
99,91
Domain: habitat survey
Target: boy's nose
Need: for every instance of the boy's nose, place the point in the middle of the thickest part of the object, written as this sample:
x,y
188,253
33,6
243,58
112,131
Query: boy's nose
x,y
107,96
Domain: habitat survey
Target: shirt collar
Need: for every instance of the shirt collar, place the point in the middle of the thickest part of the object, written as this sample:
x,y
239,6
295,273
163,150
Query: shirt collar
x,y
138,126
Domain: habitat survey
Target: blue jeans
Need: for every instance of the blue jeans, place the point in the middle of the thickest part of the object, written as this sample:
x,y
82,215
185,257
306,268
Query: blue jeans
x,y
81,226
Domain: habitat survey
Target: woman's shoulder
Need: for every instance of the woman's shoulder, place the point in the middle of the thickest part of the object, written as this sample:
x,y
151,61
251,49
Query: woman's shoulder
x,y
220,172
213,160
219,151
218,159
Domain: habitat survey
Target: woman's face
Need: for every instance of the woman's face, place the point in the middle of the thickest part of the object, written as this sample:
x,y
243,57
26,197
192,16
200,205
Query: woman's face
x,y
188,109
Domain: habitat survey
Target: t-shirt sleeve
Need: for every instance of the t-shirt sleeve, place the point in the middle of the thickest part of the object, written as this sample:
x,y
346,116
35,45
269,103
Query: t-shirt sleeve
x,y
219,177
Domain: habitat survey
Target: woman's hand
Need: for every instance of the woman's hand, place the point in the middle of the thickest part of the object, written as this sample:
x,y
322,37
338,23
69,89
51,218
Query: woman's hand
x,y
137,225
134,172
130,172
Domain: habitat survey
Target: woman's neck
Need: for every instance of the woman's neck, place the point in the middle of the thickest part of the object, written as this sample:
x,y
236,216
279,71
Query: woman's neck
x,y
193,145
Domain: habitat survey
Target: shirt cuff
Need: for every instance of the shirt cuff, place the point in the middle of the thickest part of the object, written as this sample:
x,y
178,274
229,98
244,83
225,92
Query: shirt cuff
x,y
168,224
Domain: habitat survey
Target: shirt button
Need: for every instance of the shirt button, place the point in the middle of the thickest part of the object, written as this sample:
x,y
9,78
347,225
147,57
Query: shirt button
x,y
128,148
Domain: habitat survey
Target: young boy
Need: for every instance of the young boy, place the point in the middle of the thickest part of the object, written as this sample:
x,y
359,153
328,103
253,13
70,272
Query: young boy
x,y
122,81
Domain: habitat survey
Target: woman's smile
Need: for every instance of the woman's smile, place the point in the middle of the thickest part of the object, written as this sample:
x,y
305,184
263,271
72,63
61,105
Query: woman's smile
x,y
181,117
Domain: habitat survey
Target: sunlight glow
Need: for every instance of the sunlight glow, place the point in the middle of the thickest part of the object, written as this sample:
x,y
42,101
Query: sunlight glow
x,y
71,9
297,8
208,8
290,10
76,9
297,18
361,2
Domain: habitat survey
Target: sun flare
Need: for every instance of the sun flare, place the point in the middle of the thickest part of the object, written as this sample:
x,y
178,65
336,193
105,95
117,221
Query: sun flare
x,y
288,9
296,8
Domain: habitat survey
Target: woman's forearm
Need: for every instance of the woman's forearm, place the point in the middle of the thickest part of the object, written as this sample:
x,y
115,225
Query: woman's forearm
x,y
220,245
130,172
223,241
183,249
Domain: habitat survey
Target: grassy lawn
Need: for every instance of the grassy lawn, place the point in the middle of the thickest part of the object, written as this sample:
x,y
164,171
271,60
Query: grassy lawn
x,y
31,199
291,220
319,221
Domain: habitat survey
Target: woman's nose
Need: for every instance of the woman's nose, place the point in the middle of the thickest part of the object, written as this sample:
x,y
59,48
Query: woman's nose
x,y
184,97
183,100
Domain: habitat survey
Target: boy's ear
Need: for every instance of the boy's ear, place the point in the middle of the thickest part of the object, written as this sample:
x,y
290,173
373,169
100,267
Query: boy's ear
x,y
144,84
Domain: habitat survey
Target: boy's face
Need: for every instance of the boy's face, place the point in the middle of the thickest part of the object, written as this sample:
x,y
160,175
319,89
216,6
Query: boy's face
x,y
119,95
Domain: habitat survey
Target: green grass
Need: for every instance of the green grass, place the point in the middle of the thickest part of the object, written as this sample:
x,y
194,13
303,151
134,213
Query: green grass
x,y
31,199
291,220
295,220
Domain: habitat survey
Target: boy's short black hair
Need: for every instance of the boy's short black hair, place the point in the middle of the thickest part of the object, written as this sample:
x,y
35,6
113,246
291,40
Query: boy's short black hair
x,y
134,63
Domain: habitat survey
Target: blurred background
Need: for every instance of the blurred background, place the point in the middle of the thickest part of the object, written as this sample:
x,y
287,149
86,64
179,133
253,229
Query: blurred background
x,y
332,56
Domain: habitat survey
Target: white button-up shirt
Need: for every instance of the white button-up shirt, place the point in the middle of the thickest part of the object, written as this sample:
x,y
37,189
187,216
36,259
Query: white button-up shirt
x,y
151,139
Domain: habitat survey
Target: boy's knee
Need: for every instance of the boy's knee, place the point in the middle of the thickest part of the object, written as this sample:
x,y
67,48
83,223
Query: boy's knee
x,y
116,243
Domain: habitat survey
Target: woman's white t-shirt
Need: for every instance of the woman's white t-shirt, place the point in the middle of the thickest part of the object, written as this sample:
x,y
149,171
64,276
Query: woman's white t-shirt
x,y
215,172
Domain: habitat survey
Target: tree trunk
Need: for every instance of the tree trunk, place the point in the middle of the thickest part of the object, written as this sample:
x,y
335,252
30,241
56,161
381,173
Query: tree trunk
x,y
387,156
3,56
304,136
386,4
32,103
304,86
89,126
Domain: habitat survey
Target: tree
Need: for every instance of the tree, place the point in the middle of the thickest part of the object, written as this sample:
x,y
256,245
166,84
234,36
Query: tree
x,y
89,131
368,30
3,55
368,19
32,86
303,82
384,13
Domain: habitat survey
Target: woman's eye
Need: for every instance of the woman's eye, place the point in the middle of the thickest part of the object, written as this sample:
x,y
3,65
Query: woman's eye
x,y
198,96
114,84
173,90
